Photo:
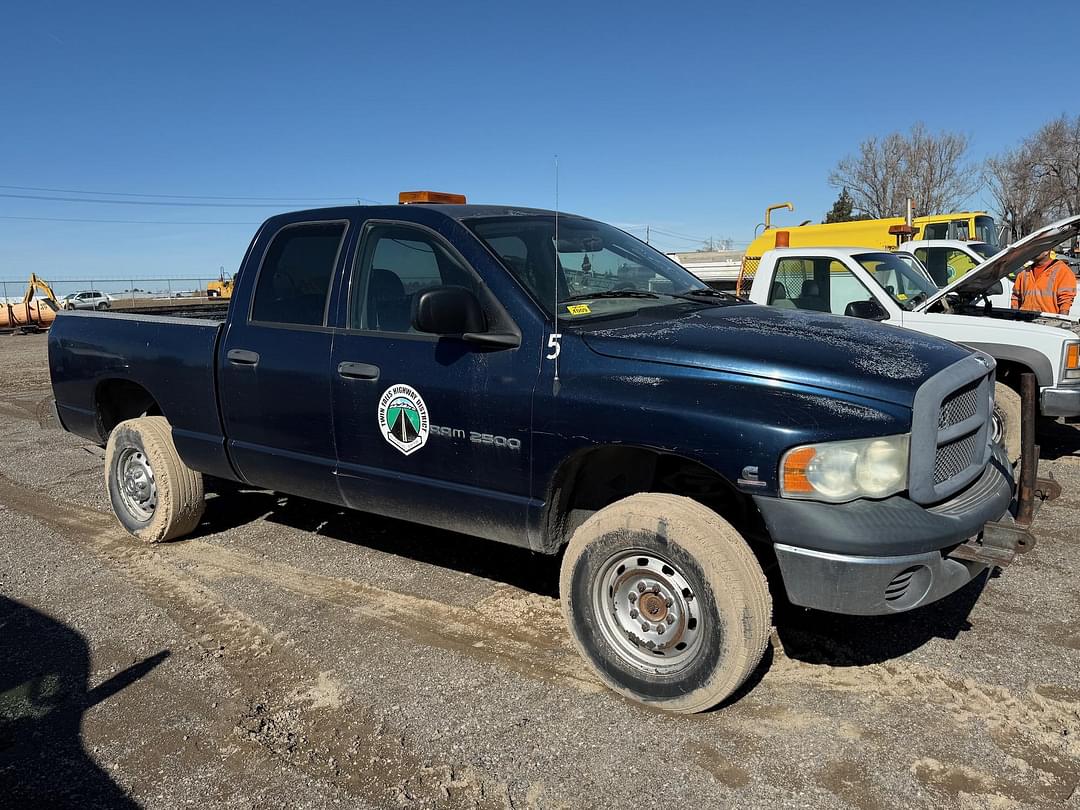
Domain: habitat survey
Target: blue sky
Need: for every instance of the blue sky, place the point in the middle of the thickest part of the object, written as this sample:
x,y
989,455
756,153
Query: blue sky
x,y
690,117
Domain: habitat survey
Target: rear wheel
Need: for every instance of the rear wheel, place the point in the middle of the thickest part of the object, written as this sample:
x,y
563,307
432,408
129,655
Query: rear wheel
x,y
1006,420
102,305
154,495
665,601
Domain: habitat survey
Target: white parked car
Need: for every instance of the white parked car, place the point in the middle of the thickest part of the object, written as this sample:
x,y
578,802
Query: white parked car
x,y
894,288
90,299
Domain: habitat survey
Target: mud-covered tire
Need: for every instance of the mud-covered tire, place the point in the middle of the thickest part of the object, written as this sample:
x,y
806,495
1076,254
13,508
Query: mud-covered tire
x,y
1007,413
685,548
141,459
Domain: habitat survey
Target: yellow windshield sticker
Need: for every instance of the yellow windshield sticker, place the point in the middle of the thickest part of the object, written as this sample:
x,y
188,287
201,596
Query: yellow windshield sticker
x,y
901,296
578,309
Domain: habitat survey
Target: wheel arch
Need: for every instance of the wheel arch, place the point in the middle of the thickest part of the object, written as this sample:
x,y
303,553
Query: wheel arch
x,y
1015,360
118,399
594,477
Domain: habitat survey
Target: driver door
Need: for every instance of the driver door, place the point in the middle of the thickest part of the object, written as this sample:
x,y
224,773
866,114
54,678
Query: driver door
x,y
427,427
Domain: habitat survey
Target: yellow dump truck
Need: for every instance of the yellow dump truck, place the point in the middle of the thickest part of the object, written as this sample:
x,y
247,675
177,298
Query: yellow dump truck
x,y
879,234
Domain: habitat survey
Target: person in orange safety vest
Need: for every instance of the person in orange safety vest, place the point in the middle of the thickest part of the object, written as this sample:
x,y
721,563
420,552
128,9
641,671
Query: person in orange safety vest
x,y
1048,285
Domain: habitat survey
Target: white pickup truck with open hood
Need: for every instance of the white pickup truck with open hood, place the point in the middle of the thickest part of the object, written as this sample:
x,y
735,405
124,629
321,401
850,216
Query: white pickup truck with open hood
x,y
896,289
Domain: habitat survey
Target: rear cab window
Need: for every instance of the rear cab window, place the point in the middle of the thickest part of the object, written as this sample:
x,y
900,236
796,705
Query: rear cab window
x,y
818,284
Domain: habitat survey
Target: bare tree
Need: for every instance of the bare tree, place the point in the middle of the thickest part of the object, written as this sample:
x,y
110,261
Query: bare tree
x,y
1057,156
1021,194
1039,180
930,169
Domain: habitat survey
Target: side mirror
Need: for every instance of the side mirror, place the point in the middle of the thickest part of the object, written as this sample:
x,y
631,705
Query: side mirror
x,y
867,310
995,289
447,311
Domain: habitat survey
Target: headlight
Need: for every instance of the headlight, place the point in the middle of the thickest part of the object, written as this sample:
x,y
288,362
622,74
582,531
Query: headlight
x,y
1071,363
843,471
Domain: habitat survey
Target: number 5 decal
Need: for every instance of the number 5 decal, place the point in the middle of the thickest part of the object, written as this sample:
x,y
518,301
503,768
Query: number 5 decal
x,y
554,345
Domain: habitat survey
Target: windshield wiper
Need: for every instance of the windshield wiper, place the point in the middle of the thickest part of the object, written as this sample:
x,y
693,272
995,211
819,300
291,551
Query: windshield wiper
x,y
709,292
610,294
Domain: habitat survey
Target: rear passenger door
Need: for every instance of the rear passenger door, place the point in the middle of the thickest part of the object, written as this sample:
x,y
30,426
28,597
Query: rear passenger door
x,y
275,361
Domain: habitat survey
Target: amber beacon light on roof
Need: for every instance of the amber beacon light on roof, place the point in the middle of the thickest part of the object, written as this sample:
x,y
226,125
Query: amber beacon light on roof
x,y
406,197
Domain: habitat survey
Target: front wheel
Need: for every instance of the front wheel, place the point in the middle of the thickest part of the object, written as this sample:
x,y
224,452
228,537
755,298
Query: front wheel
x,y
665,601
1006,420
154,495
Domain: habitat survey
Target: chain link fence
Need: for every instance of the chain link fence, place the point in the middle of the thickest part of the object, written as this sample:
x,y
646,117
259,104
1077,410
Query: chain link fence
x,y
123,293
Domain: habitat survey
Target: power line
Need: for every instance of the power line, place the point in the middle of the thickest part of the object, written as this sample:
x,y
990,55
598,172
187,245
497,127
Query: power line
x,y
680,235
121,221
185,196
142,202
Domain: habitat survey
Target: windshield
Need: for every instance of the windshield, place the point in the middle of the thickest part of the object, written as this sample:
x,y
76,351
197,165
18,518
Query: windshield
x,y
986,231
602,271
901,275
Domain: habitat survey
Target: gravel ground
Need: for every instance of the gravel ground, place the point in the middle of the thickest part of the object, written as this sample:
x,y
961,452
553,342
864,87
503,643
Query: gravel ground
x,y
292,654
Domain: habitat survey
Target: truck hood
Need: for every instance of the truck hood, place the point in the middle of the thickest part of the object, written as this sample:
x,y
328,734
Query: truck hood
x,y
983,276
845,355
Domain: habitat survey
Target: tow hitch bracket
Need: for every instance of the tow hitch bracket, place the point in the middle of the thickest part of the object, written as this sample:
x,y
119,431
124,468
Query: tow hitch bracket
x,y
998,544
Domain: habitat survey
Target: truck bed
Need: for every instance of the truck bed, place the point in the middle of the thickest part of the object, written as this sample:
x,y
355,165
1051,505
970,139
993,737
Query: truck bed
x,y
101,361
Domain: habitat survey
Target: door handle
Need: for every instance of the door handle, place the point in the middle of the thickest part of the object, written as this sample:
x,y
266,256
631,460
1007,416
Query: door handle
x,y
358,371
242,357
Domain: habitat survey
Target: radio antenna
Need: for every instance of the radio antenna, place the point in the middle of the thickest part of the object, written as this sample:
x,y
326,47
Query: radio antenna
x,y
556,337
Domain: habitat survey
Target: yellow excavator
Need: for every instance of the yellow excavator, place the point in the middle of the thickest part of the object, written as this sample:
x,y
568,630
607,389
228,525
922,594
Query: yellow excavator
x,y
31,313
222,288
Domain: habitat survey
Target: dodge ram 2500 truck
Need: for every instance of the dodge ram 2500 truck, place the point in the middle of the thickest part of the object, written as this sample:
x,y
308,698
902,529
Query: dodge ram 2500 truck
x,y
550,381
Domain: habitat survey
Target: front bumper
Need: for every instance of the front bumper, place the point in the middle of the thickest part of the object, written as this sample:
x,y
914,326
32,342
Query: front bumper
x,y
1060,401
879,557
869,586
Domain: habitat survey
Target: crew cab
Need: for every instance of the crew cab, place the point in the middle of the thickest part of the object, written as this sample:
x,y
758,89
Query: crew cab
x,y
894,288
547,380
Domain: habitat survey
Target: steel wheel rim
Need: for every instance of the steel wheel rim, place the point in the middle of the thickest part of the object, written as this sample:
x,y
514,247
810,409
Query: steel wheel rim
x,y
647,612
997,426
136,484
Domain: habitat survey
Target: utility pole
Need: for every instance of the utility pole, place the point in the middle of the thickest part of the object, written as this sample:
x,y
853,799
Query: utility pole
x,y
646,233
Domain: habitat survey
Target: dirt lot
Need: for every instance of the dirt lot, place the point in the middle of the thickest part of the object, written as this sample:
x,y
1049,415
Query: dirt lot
x,y
293,654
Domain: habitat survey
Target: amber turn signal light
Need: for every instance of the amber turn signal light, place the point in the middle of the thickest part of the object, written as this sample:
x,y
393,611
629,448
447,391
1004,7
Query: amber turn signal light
x,y
793,475
442,197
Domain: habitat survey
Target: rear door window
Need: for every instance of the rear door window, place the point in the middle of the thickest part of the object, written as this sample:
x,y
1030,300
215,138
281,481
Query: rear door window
x,y
294,280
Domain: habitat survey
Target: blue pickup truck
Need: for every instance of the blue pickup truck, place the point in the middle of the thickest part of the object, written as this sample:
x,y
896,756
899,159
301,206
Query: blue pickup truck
x,y
547,380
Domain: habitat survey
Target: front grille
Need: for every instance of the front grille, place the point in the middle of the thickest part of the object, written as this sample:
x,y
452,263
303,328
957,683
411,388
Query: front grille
x,y
953,458
959,406
950,443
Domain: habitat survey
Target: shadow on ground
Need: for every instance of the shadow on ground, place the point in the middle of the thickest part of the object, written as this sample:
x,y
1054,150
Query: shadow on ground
x,y
816,637
44,667
806,635
235,506
1056,439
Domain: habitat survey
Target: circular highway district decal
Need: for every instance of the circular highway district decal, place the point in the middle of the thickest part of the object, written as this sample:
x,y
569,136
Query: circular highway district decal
x,y
403,418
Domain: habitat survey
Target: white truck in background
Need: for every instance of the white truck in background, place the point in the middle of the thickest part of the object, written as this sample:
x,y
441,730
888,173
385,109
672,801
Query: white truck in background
x,y
948,258
894,288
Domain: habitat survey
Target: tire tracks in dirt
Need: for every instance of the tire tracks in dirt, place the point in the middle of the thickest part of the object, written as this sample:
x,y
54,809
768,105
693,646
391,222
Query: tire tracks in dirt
x,y
284,707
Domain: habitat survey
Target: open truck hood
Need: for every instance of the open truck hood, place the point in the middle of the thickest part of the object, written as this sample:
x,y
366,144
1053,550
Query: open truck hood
x,y
983,276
